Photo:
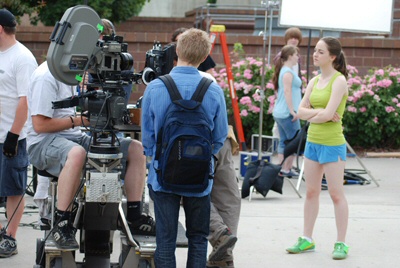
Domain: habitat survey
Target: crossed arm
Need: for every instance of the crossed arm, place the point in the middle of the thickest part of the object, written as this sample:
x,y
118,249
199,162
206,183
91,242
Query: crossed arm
x,y
306,112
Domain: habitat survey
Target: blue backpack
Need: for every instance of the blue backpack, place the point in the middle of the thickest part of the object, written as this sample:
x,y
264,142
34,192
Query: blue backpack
x,y
184,142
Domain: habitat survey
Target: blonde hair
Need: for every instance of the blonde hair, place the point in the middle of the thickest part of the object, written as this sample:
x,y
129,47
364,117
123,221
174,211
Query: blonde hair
x,y
109,28
193,46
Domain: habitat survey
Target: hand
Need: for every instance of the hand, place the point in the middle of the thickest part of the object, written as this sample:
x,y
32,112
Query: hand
x,y
84,120
295,116
307,104
84,82
10,146
336,118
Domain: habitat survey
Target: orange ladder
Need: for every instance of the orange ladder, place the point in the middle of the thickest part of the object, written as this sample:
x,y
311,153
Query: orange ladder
x,y
219,31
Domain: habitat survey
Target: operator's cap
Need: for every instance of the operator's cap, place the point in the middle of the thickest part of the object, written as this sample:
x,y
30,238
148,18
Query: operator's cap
x,y
7,19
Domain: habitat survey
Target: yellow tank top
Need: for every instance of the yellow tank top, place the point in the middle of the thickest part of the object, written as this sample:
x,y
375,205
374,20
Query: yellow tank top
x,y
328,133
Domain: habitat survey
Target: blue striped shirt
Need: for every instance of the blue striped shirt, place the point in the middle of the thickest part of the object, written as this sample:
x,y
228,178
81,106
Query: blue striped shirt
x,y
155,103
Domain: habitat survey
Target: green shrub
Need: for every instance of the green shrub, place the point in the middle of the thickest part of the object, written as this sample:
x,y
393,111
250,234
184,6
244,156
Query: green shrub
x,y
372,118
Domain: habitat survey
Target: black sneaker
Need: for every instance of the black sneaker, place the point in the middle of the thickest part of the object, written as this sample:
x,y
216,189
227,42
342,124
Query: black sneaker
x,y
64,236
8,246
145,225
225,241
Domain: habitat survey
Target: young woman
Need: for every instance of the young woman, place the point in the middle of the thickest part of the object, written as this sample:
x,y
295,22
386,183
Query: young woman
x,y
288,85
323,105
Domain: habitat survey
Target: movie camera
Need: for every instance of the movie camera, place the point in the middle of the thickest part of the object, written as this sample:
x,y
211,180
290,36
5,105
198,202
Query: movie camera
x,y
75,51
107,63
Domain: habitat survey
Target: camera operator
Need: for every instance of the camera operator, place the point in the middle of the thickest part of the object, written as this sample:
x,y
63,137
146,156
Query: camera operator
x,y
56,144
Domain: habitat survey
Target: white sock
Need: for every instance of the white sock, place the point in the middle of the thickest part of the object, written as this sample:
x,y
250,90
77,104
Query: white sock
x,y
308,239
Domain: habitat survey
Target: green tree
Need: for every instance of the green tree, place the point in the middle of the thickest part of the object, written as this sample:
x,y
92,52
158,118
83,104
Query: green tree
x,y
19,8
51,11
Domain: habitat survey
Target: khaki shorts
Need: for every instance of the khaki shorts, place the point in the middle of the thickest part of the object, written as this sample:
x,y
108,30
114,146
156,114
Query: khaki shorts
x,y
51,153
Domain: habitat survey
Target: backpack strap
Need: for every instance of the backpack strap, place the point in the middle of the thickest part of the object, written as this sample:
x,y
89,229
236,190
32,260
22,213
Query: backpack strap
x,y
201,89
171,86
173,91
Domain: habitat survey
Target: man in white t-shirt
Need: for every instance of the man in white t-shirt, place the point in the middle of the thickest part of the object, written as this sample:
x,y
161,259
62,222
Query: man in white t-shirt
x,y
17,64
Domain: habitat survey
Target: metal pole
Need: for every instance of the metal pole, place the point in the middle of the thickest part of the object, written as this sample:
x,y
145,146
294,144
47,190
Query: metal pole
x,y
308,55
270,32
262,93
262,90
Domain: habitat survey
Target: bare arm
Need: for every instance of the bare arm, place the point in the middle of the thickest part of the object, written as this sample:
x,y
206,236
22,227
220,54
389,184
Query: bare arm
x,y
305,110
44,124
20,116
339,89
287,89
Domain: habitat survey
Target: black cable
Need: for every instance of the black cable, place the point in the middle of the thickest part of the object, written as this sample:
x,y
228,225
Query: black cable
x,y
15,210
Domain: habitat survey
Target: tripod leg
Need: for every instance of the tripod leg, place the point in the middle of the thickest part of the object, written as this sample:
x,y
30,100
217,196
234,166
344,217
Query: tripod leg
x,y
362,164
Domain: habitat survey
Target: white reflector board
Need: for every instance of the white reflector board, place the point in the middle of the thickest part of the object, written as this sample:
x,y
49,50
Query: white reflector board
x,y
369,16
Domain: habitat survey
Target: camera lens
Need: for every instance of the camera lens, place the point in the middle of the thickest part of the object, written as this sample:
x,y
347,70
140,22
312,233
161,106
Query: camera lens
x,y
126,61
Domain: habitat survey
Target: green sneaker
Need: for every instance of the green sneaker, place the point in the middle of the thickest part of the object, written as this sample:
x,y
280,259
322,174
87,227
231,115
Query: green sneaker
x,y
340,251
302,245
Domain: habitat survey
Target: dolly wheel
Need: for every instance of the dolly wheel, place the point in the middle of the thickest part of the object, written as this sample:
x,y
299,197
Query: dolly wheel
x,y
40,255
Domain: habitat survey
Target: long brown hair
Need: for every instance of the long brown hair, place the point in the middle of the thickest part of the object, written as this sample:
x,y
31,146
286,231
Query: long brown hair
x,y
286,51
335,49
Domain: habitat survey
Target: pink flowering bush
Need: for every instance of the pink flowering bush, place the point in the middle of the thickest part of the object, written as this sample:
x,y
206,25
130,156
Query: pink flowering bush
x,y
372,118
247,82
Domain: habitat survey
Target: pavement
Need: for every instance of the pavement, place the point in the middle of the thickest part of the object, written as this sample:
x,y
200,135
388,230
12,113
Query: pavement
x,y
269,225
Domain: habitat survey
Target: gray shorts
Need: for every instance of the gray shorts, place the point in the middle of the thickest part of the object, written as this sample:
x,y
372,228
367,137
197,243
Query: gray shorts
x,y
14,171
51,153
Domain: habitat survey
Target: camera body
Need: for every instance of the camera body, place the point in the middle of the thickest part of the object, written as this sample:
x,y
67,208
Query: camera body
x,y
159,61
107,108
111,59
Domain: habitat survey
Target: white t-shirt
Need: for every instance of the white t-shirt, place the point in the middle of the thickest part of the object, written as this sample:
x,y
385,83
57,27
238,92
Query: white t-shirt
x,y
43,91
208,75
16,66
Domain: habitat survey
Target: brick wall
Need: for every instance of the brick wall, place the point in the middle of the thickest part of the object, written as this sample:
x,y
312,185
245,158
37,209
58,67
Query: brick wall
x,y
141,32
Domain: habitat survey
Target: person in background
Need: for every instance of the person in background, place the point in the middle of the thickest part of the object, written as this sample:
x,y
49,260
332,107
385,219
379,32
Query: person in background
x,y
288,86
225,198
207,65
192,48
323,106
17,64
293,36
225,206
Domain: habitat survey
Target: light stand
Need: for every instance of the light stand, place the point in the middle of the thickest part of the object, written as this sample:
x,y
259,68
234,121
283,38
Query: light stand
x,y
269,5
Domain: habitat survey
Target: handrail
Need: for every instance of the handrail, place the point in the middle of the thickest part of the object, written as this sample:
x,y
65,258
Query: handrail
x,y
208,12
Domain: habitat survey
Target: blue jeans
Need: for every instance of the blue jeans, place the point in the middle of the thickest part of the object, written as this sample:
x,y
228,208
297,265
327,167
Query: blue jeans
x,y
287,130
197,212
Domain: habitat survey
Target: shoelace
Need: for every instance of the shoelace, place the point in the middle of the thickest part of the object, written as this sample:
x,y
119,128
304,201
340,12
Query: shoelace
x,y
339,247
4,243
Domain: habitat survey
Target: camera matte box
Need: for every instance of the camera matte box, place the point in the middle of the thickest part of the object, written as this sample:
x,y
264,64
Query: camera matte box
x,y
135,115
